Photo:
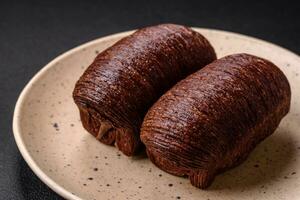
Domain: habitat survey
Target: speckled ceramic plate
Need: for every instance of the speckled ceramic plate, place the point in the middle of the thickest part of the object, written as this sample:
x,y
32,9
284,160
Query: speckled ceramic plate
x,y
51,139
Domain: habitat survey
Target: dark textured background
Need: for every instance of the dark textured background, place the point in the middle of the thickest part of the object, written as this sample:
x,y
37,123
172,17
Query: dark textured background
x,y
34,32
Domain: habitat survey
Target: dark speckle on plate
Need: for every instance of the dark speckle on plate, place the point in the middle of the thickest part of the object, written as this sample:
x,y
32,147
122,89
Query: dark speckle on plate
x,y
170,185
55,125
90,178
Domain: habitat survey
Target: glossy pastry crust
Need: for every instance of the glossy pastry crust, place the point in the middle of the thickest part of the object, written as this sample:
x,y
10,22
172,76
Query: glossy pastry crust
x,y
214,118
123,81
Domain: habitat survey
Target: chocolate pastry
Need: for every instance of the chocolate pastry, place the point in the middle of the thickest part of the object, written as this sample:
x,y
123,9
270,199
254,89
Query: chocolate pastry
x,y
211,121
117,89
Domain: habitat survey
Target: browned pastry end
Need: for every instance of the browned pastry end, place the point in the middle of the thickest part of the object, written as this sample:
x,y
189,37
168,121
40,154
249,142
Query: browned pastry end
x,y
117,89
211,121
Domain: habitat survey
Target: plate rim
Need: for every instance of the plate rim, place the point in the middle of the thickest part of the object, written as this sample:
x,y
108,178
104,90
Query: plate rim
x,y
17,132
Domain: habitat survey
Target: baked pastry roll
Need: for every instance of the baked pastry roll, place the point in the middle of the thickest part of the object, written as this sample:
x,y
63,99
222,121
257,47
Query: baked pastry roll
x,y
121,84
211,121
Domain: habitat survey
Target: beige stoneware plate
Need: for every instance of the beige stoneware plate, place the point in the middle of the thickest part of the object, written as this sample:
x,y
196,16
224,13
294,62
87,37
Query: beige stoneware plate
x,y
51,139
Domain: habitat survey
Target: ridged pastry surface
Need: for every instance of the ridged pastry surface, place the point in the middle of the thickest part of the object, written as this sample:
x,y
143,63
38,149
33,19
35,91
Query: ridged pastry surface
x,y
213,119
123,81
